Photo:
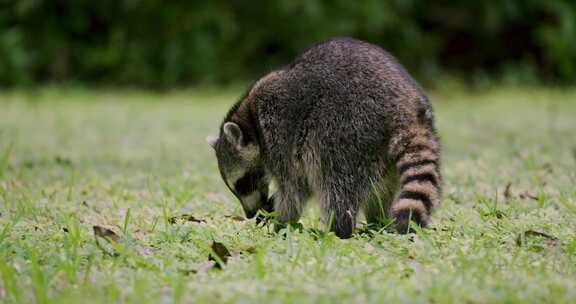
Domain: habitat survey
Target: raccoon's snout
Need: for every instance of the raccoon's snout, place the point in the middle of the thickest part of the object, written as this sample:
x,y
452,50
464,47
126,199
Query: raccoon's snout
x,y
250,213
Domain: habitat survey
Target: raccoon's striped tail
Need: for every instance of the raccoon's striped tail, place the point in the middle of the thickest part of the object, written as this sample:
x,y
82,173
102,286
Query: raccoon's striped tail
x,y
417,155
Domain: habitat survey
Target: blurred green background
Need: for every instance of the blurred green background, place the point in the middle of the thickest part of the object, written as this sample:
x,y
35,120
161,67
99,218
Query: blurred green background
x,y
170,44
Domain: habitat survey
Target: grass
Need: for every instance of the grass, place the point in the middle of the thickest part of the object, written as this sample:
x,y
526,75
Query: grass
x,y
130,162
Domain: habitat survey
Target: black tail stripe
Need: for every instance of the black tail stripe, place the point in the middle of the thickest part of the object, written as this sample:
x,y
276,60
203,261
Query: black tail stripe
x,y
403,168
417,196
421,177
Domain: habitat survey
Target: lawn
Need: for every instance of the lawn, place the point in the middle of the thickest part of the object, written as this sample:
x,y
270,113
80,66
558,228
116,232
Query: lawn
x,y
137,164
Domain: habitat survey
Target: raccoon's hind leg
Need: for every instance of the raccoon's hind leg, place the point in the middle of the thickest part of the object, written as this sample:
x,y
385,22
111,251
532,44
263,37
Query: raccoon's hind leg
x,y
339,205
418,164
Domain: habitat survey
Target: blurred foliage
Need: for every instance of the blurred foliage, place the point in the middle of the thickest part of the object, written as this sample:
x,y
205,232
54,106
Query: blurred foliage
x,y
160,44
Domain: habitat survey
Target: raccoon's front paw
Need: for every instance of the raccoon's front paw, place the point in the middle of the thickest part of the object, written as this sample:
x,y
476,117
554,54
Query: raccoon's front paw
x,y
267,209
269,205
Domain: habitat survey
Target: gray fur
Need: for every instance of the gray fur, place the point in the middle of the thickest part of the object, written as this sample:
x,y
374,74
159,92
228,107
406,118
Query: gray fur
x,y
340,121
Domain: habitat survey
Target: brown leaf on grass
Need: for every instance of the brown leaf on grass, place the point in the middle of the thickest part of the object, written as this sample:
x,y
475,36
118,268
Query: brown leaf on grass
x,y
508,192
105,233
219,254
530,195
109,236
112,238
237,218
217,258
523,195
185,218
549,240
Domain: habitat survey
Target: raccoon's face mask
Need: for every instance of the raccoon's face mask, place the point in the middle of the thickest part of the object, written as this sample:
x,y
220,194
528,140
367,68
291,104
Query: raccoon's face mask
x,y
241,169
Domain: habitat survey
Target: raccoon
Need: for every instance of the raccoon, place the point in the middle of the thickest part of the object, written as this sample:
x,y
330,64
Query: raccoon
x,y
343,121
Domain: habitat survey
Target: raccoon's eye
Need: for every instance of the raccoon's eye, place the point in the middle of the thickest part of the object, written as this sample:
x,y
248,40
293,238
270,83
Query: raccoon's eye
x,y
246,184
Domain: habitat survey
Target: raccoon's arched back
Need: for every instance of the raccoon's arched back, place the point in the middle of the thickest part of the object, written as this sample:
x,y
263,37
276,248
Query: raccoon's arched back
x,y
360,57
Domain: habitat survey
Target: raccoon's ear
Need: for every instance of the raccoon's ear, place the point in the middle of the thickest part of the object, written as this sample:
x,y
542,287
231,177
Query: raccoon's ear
x,y
211,140
233,134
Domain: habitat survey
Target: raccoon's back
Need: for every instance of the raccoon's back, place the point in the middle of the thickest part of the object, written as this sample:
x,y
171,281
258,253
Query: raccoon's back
x,y
343,95
352,67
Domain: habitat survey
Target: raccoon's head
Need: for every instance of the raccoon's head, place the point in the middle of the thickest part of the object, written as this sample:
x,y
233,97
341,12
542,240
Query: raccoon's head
x,y
241,168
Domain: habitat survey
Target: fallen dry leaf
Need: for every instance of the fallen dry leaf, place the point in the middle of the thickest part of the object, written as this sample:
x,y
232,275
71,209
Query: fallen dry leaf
x,y
185,218
219,254
549,240
237,218
109,236
105,233
508,192
112,238
522,195
530,195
